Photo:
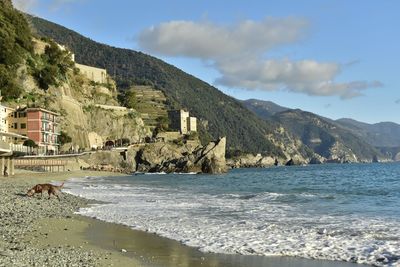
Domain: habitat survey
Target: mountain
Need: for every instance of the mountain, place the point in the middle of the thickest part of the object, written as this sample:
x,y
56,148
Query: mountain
x,y
382,134
263,109
219,114
327,138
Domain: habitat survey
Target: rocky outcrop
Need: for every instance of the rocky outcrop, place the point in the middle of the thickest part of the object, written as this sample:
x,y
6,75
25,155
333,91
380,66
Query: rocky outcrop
x,y
252,161
339,153
169,157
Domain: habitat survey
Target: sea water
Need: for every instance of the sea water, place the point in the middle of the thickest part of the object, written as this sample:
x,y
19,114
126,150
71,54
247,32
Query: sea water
x,y
348,212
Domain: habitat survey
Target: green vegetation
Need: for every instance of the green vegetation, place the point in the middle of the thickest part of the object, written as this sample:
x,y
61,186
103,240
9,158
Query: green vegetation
x,y
320,134
64,138
192,136
128,99
15,47
30,143
52,66
222,115
163,123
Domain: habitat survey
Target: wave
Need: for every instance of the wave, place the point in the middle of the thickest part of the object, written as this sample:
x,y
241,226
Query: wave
x,y
265,223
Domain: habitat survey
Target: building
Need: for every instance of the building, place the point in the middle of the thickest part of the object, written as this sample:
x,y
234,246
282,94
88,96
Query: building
x,y
95,74
181,121
39,125
192,124
4,118
9,142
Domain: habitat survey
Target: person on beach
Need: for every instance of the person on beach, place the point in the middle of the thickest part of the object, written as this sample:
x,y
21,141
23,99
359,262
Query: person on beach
x,y
5,172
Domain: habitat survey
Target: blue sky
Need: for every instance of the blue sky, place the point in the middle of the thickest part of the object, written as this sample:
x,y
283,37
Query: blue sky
x,y
334,58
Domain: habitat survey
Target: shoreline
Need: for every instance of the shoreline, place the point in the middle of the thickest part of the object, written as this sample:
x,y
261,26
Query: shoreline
x,y
58,236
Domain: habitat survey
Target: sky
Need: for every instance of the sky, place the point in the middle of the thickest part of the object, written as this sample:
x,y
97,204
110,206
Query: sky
x,y
338,59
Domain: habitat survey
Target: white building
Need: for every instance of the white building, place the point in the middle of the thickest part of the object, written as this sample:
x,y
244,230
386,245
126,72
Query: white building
x,y
181,121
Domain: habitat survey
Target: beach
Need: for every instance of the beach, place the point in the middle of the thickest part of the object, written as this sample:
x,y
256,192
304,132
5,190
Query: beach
x,y
42,232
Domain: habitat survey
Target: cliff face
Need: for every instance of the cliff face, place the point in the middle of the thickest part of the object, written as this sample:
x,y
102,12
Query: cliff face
x,y
168,157
90,114
41,73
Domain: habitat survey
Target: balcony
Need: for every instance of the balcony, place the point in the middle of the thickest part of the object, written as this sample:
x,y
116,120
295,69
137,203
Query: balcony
x,y
49,119
50,130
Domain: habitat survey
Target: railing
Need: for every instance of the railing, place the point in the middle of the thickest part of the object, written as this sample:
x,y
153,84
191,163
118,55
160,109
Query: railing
x,y
46,165
47,118
50,130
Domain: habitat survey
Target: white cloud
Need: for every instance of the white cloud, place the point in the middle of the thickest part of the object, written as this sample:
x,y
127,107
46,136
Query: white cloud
x,y
57,4
25,5
240,53
29,5
210,41
305,76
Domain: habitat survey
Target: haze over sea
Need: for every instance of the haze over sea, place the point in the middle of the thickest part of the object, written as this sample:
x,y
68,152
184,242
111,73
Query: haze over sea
x,y
347,212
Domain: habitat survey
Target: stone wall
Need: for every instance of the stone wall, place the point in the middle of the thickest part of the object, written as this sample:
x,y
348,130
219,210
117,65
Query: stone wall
x,y
95,74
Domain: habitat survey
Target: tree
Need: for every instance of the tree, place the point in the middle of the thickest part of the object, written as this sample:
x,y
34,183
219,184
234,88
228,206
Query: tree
x,y
64,138
15,45
128,99
30,143
8,85
163,123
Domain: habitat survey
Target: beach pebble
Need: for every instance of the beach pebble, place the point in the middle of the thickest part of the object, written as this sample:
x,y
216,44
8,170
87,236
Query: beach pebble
x,y
17,216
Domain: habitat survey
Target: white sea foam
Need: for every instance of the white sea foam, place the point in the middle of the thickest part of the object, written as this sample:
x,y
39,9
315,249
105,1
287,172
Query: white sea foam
x,y
253,224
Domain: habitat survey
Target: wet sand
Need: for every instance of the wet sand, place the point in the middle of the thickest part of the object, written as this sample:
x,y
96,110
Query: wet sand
x,y
106,243
153,250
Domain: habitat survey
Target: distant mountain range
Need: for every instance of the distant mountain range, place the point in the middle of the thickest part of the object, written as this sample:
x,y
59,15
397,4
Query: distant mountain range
x,y
382,134
323,134
253,125
263,109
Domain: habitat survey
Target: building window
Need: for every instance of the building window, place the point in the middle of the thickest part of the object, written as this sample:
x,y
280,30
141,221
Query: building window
x,y
15,125
23,125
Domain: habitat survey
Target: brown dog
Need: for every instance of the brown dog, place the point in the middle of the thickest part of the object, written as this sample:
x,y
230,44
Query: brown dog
x,y
40,188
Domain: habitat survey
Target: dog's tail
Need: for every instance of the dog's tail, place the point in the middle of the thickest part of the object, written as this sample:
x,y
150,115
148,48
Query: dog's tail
x,y
60,186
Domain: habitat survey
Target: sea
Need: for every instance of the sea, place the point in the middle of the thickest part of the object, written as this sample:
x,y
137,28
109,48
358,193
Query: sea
x,y
341,212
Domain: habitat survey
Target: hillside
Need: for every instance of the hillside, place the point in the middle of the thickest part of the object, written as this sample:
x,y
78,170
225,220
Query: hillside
x,y
383,134
263,109
326,138
39,73
219,114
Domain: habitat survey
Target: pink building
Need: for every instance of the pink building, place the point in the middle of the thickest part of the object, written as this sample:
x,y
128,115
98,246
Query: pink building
x,y
39,125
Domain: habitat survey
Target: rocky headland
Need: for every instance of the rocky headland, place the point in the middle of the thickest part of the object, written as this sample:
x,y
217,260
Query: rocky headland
x,y
168,157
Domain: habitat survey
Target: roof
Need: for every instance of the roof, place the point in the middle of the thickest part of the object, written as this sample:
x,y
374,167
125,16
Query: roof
x,y
43,110
13,135
1,105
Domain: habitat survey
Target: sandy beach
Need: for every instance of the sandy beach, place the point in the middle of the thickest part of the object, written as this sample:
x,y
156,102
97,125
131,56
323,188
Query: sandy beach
x,y
42,232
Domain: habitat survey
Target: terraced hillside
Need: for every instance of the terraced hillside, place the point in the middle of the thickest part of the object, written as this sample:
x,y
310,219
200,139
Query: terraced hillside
x,y
150,103
218,114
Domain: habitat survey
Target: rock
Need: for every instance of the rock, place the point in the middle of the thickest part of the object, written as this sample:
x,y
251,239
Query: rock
x,y
170,157
124,250
315,160
252,161
212,158
290,162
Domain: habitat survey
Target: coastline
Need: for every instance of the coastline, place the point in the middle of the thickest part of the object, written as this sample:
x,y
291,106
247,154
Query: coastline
x,y
46,232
